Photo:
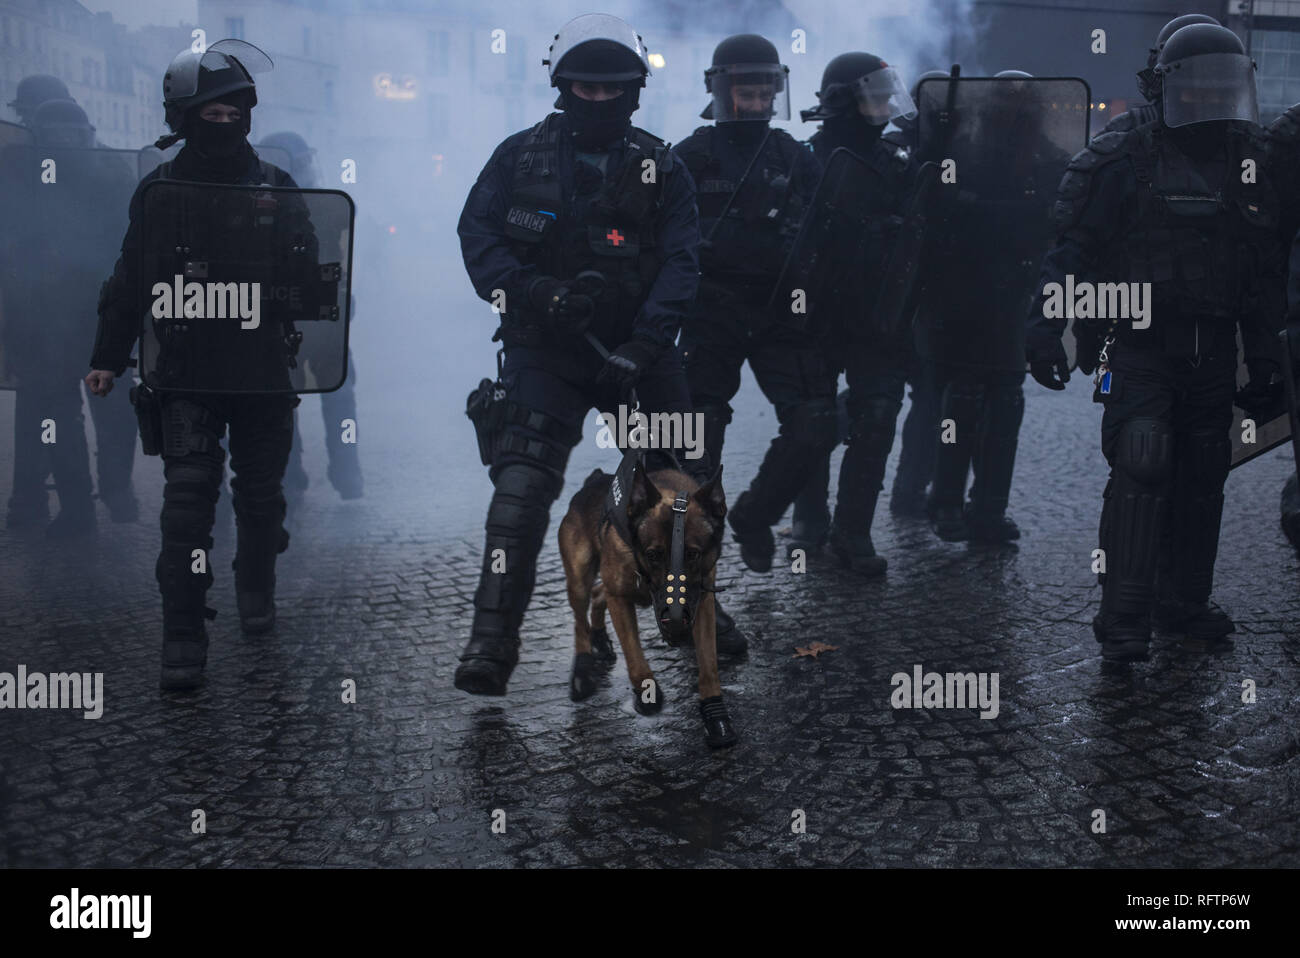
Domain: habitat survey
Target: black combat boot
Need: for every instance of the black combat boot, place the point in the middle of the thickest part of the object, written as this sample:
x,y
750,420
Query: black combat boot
x,y
812,516
185,635
753,533
730,640
254,565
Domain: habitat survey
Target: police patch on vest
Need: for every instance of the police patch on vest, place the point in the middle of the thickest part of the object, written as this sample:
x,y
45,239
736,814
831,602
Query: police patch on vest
x,y
612,241
527,219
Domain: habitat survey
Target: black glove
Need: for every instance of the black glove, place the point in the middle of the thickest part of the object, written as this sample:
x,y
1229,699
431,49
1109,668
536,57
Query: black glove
x,y
627,364
563,310
1049,365
1260,395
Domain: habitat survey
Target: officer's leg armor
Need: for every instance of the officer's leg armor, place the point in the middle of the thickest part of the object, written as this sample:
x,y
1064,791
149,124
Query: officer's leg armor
x,y
69,462
29,503
994,457
1197,511
1133,513
920,434
527,473
872,423
115,438
261,433
193,463
961,403
713,350
812,516
344,470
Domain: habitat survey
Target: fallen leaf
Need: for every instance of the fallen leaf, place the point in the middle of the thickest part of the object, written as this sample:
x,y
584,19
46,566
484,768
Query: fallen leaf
x,y
814,650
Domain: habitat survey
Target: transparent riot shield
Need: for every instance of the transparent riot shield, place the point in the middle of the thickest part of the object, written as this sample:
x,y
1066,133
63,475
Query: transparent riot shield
x,y
63,213
243,289
1002,145
150,158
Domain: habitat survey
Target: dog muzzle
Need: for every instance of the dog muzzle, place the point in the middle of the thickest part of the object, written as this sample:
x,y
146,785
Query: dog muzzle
x,y
676,601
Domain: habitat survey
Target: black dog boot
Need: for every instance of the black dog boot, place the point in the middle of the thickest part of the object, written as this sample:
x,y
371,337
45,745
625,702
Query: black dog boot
x,y
583,677
648,700
757,543
1123,638
256,611
602,647
718,730
184,654
729,639
486,664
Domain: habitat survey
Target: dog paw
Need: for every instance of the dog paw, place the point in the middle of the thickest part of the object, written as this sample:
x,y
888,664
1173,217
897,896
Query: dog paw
x,y
582,680
602,647
718,730
649,698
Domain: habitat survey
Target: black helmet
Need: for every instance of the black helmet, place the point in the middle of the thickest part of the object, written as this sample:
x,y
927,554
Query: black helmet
x,y
222,71
746,60
62,123
861,83
1203,74
300,155
597,48
1146,77
35,90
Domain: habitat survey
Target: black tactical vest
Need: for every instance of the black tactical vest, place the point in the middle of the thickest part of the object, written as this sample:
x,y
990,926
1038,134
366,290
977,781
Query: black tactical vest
x,y
610,230
1199,243
749,239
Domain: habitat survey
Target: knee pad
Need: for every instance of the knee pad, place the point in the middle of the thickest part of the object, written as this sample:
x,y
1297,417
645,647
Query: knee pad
x,y
521,504
189,500
813,424
1144,452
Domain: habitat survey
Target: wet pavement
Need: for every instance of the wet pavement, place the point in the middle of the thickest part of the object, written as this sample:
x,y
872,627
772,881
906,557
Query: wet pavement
x,y
379,591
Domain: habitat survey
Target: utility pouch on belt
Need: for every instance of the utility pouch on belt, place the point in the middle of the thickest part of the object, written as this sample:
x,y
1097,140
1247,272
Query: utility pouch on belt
x,y
486,408
148,413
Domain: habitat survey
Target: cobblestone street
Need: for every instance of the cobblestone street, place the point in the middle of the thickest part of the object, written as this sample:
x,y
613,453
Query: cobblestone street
x,y
379,591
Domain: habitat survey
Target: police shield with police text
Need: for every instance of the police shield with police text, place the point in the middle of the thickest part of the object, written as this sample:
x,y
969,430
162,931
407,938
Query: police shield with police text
x,y
1002,144
223,279
1165,210
582,232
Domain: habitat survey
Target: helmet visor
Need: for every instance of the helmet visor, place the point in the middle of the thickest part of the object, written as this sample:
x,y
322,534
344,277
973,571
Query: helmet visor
x,y
182,77
882,96
1211,86
750,91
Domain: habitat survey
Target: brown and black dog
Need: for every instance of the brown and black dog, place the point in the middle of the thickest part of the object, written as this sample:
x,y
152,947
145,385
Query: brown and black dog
x,y
635,560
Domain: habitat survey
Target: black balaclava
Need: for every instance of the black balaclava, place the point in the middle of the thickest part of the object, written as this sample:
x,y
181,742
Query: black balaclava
x,y
852,130
220,141
598,123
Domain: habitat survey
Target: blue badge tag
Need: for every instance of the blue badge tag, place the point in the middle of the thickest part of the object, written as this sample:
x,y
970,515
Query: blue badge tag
x,y
1104,388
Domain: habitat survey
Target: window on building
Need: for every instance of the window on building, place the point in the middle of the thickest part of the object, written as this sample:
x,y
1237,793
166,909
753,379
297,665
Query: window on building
x,y
439,43
235,27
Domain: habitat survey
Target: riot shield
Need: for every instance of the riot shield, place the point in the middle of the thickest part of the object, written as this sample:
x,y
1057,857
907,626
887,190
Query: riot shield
x,y
1002,145
63,214
824,266
243,289
1271,427
150,158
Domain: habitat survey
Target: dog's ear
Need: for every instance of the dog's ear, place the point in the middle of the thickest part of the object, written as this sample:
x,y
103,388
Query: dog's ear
x,y
711,497
644,493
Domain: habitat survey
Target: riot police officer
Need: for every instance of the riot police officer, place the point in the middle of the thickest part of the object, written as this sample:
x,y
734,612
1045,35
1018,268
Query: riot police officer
x,y
344,469
208,101
592,265
35,90
1146,112
753,182
1167,204
859,95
